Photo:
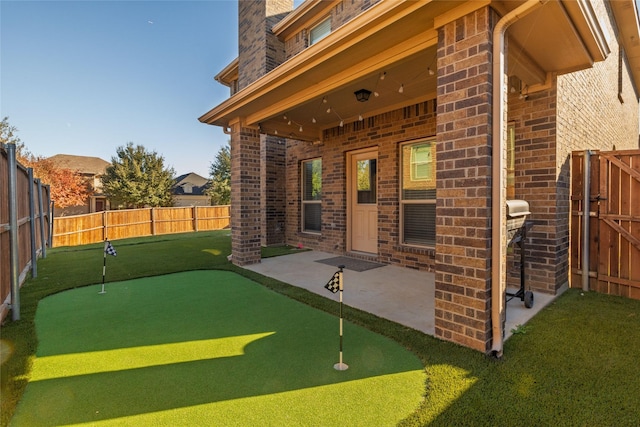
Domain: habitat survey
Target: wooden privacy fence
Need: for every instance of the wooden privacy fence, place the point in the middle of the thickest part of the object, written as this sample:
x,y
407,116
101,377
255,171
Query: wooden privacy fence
x,y
122,224
25,230
605,250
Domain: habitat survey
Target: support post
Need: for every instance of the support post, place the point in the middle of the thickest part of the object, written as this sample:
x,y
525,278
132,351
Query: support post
x,y
32,225
43,239
586,211
13,232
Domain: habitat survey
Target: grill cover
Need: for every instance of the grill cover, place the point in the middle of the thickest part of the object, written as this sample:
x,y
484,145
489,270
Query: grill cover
x,y
517,213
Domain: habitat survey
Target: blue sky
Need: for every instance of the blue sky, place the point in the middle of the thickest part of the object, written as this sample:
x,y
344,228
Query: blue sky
x,y
84,77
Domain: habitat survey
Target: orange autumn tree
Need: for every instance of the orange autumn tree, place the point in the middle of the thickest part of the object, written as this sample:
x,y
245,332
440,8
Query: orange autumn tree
x,y
68,188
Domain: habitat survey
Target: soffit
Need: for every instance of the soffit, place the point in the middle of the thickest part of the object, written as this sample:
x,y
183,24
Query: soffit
x,y
350,57
399,39
555,38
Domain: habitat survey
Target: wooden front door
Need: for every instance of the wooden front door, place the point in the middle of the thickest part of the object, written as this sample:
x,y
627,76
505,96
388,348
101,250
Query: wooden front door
x,y
362,197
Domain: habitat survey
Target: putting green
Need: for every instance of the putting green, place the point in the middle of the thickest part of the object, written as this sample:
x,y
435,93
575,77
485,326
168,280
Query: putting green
x,y
209,348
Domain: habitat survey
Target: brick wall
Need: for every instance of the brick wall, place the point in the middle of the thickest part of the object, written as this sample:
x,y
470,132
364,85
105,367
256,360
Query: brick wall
x,y
245,195
259,51
581,110
463,240
535,182
272,181
343,12
385,132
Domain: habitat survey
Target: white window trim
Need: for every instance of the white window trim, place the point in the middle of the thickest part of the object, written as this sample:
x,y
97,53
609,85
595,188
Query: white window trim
x,y
403,202
304,202
324,22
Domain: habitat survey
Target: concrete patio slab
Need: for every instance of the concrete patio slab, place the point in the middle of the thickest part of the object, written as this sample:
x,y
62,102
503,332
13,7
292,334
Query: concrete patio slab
x,y
399,294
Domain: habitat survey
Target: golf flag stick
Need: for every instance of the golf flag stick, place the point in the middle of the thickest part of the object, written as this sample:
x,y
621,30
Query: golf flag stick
x,y
104,266
340,366
108,249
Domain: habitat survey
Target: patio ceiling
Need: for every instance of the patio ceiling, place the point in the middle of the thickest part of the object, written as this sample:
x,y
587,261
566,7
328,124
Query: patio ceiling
x,y
398,40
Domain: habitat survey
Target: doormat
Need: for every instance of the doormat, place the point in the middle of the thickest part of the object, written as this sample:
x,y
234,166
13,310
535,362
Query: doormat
x,y
350,263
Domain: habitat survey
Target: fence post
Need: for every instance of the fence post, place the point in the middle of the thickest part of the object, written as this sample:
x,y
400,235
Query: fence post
x,y
40,205
13,231
153,222
32,225
586,210
195,218
104,225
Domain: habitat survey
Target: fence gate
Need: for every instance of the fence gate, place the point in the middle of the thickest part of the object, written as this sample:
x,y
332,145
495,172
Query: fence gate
x,y
611,257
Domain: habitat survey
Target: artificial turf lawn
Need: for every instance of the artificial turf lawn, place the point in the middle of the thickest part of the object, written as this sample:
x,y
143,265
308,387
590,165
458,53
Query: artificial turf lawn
x,y
574,364
209,348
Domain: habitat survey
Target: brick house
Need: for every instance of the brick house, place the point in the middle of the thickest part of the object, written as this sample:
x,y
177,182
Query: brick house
x,y
396,131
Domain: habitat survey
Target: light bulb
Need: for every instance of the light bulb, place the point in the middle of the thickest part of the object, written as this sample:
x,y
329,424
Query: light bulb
x,y
341,123
313,120
401,90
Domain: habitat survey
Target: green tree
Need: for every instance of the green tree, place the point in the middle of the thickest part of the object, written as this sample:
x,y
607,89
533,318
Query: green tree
x,y
137,178
220,173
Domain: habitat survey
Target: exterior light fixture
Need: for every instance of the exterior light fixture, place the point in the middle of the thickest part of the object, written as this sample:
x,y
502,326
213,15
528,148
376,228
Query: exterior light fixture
x,y
362,95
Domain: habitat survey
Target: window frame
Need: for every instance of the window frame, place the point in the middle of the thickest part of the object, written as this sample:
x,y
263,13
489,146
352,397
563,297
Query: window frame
x,y
409,174
303,201
324,22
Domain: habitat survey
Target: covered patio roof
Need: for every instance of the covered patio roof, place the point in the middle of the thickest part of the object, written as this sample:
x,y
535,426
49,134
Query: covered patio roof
x,y
391,50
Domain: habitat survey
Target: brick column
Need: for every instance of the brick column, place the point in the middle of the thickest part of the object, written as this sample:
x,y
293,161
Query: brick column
x,y
273,181
245,195
463,210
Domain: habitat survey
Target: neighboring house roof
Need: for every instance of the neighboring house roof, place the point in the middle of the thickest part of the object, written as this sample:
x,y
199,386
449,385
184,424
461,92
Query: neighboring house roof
x,y
190,184
82,164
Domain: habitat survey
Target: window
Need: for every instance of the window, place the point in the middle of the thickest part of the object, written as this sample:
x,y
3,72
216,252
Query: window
x,y
418,193
312,195
320,31
366,185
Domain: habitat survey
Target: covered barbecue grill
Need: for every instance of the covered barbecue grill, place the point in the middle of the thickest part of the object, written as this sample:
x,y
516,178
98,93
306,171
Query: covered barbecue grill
x,y
517,226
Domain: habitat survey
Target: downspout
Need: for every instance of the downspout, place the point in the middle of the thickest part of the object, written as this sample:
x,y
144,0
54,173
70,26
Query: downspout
x,y
498,200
